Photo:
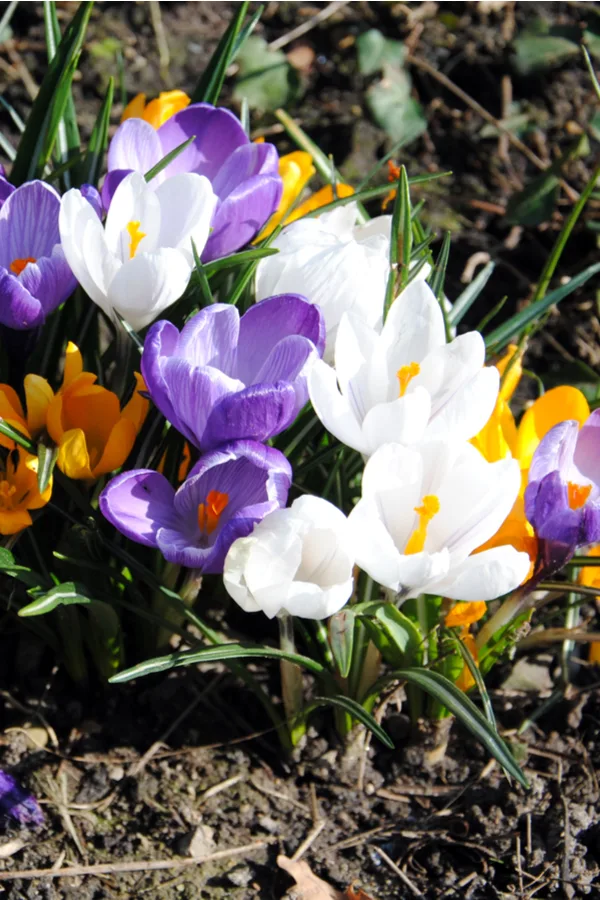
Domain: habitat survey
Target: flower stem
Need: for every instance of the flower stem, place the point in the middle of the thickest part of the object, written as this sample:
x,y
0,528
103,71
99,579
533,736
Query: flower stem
x,y
512,607
291,681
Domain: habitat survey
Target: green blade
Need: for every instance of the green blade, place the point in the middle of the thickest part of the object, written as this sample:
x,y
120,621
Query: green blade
x,y
357,712
92,166
210,84
68,141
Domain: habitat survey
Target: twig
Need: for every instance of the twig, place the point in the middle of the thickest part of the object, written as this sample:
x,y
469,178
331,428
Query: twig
x,y
401,875
148,865
309,840
497,123
222,786
307,26
164,55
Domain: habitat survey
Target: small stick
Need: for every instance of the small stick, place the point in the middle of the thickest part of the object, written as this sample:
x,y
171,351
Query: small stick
x,y
309,840
222,786
401,875
307,26
148,865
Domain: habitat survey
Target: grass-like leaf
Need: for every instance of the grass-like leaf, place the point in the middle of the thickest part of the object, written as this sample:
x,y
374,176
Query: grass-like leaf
x,y
8,431
47,457
67,594
462,304
92,165
68,141
238,259
209,87
357,712
171,155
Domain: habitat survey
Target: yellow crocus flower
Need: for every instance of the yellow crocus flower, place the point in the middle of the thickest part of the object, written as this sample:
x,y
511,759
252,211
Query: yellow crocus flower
x,y
19,490
157,111
463,615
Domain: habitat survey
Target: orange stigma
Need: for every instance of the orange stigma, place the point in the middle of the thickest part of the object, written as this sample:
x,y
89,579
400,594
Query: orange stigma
x,y
393,176
405,375
136,236
578,494
17,265
426,512
209,513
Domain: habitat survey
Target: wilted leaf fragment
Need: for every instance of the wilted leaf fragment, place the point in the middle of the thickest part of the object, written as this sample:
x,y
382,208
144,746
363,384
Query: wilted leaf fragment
x,y
394,109
308,885
265,79
542,47
375,51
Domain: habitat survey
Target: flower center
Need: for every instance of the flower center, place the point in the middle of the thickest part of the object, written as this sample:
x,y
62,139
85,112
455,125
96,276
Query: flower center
x,y
209,513
406,374
17,265
426,512
578,494
136,236
7,492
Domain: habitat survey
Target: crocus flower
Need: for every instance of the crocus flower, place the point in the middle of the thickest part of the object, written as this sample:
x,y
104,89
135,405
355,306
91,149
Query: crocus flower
x,y
296,561
94,436
6,188
19,490
35,277
423,512
406,382
140,262
244,175
157,111
562,499
333,262
296,169
225,378
17,803
224,495
463,615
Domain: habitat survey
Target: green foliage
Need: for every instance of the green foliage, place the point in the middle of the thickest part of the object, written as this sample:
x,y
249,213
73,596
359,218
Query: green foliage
x,y
393,108
265,79
376,51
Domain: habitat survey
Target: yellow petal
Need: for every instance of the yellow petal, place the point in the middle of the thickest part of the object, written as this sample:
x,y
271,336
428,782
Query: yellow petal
x,y
497,439
73,457
321,198
25,481
465,680
295,169
515,372
164,106
10,405
12,521
590,575
554,406
117,449
73,364
465,613
38,397
137,408
94,410
54,418
594,653
135,108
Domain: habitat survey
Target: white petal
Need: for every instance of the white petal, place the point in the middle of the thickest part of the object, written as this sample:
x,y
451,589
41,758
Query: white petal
x,y
465,413
372,544
413,328
332,408
319,513
187,204
147,284
403,421
233,573
308,601
355,344
134,202
485,576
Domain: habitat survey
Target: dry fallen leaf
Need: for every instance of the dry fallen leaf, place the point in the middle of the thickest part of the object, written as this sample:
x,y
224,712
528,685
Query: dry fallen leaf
x,y
310,887
11,847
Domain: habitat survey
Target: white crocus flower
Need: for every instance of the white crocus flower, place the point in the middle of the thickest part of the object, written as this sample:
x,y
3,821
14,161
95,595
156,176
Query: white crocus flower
x,y
334,263
405,382
140,261
296,561
423,512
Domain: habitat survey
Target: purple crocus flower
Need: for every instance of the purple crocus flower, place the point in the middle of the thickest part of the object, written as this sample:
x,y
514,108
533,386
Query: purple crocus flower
x,y
226,378
562,499
18,803
6,188
34,275
225,494
244,175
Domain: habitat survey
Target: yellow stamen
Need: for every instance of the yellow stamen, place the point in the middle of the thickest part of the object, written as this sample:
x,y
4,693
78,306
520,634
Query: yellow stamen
x,y
406,374
393,176
426,512
209,513
17,265
136,236
578,494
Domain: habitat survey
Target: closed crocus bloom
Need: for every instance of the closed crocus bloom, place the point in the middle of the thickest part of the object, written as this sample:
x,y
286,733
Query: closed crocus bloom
x,y
19,490
35,277
423,513
244,176
157,111
562,499
94,436
224,495
226,378
333,262
404,383
140,262
296,561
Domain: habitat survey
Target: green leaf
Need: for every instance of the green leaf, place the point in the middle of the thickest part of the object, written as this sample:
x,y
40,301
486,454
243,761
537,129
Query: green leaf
x,y
7,560
103,635
92,166
171,155
467,713
357,712
40,132
210,84
540,47
502,335
375,51
393,108
68,140
478,679
220,653
341,639
265,79
536,203
462,304
67,594
47,456
238,259
395,636
16,436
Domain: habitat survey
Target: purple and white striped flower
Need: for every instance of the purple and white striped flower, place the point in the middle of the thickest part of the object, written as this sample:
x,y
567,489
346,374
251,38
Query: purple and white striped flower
x,y
35,277
6,188
225,494
226,378
244,175
562,499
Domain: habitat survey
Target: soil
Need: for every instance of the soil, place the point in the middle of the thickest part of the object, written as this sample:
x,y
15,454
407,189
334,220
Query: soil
x,y
185,766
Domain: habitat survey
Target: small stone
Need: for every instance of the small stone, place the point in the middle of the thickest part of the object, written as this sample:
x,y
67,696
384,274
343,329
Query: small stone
x,y
116,773
269,824
240,876
197,843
